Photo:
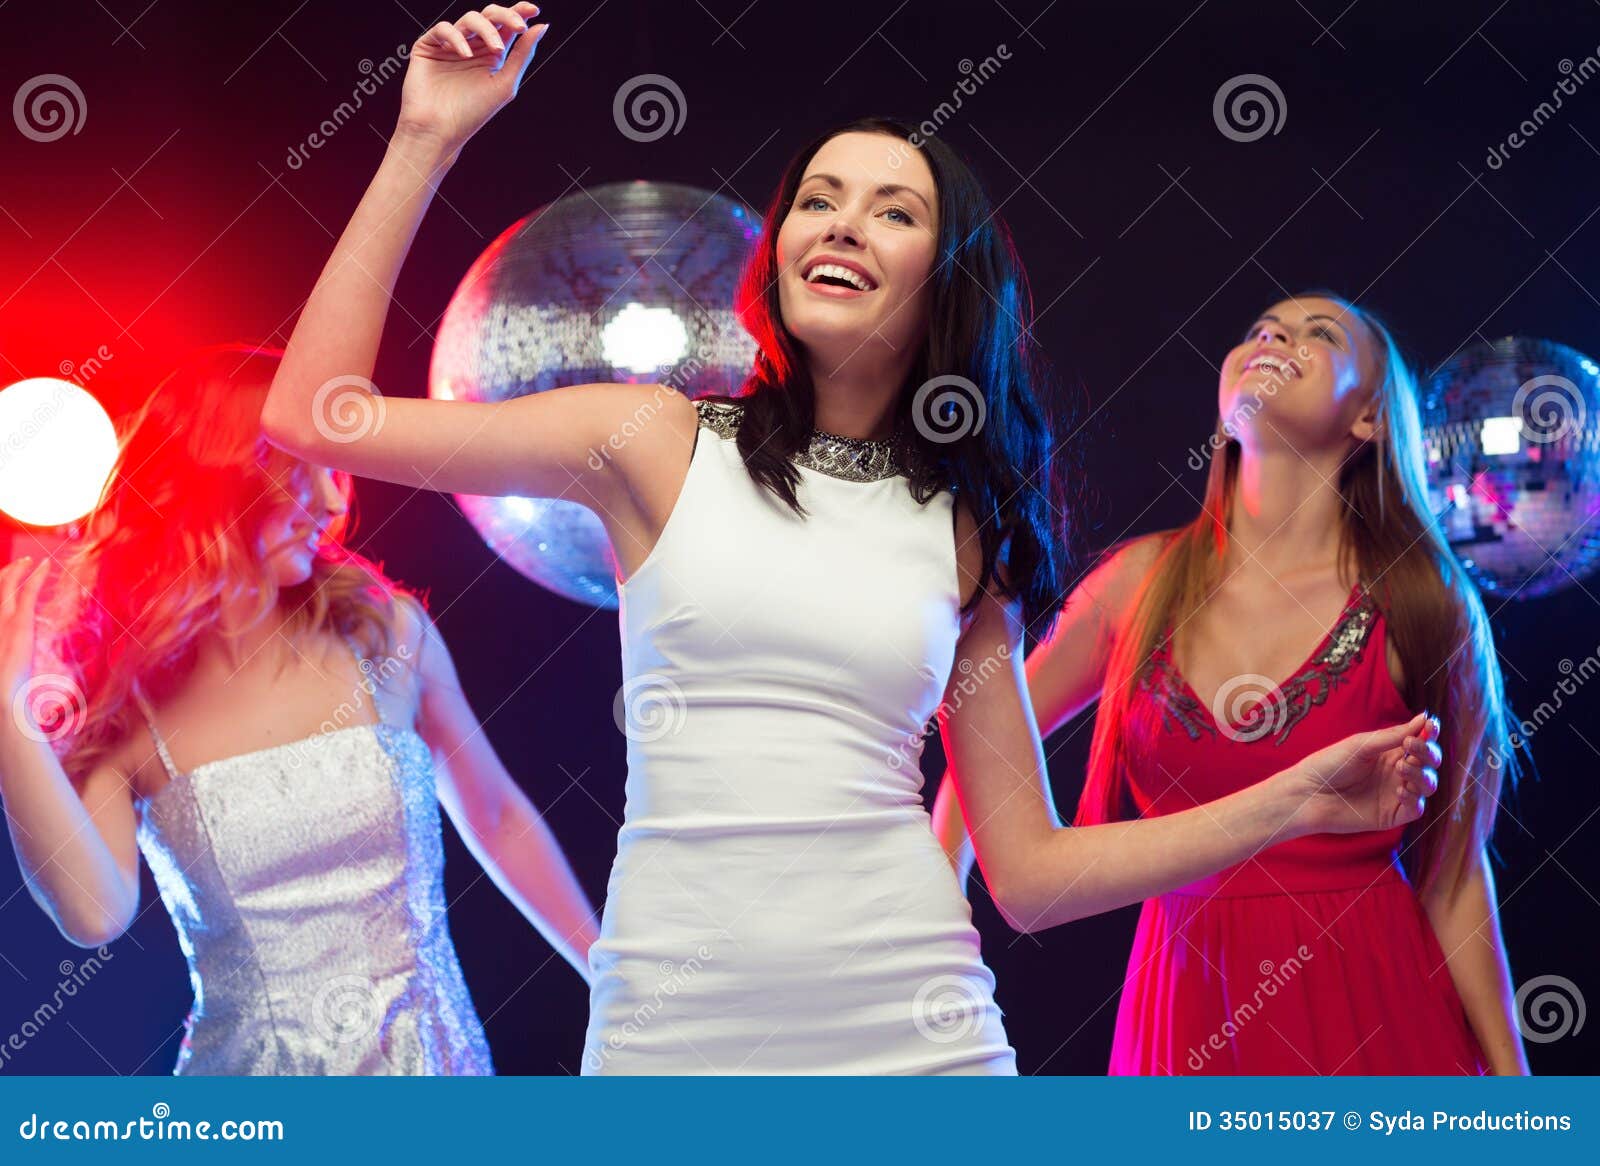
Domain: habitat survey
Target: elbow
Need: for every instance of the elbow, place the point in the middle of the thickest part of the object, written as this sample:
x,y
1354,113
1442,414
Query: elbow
x,y
93,931
93,925
284,430
1028,910
1017,907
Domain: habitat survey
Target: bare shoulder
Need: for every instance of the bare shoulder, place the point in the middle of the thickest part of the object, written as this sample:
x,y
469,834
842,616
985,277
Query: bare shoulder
x,y
1113,582
651,453
653,435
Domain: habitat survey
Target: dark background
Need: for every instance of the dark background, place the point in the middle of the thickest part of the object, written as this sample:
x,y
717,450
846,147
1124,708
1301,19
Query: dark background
x,y
1151,241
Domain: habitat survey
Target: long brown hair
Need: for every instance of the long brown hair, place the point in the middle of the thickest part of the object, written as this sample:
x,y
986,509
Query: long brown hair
x,y
1432,609
176,533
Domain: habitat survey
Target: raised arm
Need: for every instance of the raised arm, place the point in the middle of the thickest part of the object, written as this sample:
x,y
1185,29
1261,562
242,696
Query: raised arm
x,y
1066,670
1041,874
499,824
76,848
323,406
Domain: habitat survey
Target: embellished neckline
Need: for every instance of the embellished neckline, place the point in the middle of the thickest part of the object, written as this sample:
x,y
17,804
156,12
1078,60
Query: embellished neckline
x,y
1288,701
855,459
850,459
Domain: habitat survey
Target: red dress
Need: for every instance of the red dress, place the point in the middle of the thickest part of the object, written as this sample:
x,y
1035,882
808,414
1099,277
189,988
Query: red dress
x,y
1315,956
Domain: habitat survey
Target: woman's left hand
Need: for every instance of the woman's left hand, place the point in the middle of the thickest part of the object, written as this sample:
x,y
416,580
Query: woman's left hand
x,y
1368,781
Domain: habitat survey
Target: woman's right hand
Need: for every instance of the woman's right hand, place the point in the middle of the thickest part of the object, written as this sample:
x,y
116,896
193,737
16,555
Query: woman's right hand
x,y
20,582
460,74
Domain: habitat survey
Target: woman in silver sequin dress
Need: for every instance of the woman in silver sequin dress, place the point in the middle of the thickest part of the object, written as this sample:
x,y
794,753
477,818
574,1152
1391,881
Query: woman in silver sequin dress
x,y
259,714
809,568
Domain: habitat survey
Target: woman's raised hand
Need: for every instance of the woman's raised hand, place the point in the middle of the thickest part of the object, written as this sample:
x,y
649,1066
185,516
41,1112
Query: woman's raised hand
x,y
460,74
1369,781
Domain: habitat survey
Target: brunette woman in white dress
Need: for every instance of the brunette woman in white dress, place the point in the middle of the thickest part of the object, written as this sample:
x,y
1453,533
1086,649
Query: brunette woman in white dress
x,y
808,572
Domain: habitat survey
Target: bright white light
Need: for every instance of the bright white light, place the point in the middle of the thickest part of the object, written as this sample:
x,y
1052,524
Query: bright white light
x,y
642,339
1502,434
57,445
1458,495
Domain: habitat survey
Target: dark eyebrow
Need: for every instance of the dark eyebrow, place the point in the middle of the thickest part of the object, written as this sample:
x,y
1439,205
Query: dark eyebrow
x,y
890,188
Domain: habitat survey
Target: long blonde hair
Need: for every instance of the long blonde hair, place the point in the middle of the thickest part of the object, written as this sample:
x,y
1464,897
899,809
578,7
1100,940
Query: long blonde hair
x,y
1432,609
175,535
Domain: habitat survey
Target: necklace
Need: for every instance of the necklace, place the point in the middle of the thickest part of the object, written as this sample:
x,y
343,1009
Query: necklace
x,y
855,459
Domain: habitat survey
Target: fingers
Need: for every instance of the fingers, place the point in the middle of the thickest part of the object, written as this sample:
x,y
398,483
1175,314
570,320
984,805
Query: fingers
x,y
476,24
505,18
447,36
521,53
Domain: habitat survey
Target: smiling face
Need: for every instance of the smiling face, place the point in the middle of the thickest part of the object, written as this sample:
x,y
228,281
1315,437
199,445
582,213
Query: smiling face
x,y
312,498
1298,377
856,250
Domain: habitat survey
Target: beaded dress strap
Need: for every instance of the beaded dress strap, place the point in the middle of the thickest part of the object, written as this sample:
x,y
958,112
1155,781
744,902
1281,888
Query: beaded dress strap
x,y
155,735
364,666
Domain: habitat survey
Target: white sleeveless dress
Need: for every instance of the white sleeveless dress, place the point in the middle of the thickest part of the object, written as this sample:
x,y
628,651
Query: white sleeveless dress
x,y
779,903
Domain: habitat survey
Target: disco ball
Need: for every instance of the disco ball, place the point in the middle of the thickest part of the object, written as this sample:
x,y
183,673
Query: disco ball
x,y
1513,436
628,282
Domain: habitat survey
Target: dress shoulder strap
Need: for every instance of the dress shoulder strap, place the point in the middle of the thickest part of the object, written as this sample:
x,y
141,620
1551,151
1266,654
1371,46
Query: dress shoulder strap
x,y
155,735
722,417
369,682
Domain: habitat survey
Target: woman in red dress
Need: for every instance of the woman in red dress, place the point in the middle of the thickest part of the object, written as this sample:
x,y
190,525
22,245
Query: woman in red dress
x,y
1375,953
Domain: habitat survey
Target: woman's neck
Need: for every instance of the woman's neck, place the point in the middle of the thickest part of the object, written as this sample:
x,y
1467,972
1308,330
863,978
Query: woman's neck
x,y
1286,513
857,400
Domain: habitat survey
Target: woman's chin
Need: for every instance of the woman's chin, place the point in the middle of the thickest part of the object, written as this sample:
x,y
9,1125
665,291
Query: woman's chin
x,y
294,569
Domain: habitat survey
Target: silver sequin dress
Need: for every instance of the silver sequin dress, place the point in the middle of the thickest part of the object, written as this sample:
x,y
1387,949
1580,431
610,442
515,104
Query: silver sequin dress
x,y
305,882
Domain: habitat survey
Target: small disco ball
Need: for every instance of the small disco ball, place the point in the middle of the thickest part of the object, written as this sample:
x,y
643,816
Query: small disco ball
x,y
1513,436
628,282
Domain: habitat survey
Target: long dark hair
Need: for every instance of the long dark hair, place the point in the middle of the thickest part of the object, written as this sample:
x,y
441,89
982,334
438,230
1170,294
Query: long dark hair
x,y
1008,469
